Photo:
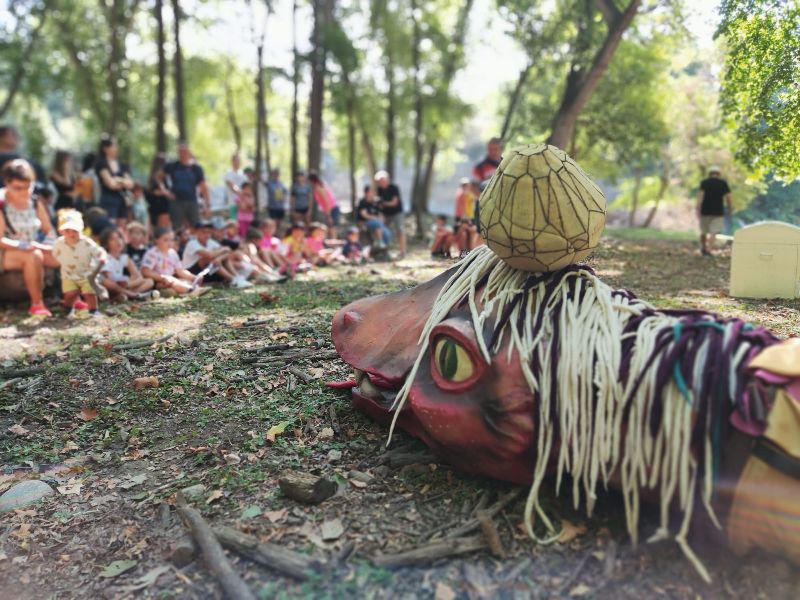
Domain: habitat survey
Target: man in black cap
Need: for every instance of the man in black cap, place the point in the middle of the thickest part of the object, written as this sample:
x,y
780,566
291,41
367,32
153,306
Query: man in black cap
x,y
714,198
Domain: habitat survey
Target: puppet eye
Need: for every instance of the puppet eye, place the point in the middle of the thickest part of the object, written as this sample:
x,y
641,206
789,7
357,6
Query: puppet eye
x,y
452,360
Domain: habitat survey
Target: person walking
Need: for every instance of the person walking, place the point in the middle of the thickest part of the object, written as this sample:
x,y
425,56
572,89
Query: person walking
x,y
186,181
391,206
712,201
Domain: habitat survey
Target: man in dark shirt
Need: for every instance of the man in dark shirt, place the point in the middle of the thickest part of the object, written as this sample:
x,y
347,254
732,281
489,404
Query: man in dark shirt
x,y
392,208
186,179
714,198
486,168
368,215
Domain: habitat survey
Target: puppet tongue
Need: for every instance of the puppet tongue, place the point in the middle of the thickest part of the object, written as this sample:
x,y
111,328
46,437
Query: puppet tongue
x,y
341,385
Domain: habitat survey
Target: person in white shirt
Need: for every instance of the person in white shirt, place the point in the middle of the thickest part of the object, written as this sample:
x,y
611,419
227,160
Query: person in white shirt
x,y
233,180
207,257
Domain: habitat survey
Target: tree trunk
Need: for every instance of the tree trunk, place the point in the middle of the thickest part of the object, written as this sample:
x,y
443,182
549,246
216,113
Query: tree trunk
x,y
19,72
663,184
161,116
351,148
637,186
322,13
391,116
259,118
418,203
231,108
295,86
369,151
580,86
177,65
512,101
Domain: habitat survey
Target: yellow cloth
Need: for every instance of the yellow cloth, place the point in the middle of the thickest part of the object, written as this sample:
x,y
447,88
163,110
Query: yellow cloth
x,y
781,359
766,507
72,285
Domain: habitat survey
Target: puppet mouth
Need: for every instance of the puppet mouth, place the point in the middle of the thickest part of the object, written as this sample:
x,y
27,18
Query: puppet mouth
x,y
371,386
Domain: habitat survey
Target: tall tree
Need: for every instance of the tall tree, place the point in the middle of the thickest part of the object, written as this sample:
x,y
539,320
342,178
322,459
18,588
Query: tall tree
x,y
295,92
761,84
161,117
177,66
323,15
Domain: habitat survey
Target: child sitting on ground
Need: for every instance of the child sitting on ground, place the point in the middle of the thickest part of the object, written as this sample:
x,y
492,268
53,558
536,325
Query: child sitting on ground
x,y
317,251
121,285
204,255
137,242
352,250
442,238
245,212
264,273
269,249
79,257
163,265
296,251
230,235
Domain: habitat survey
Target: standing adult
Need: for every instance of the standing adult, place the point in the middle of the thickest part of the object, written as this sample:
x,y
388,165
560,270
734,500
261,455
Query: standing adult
x,y
713,199
9,150
186,182
63,177
233,180
157,193
23,223
115,181
486,168
277,195
391,206
326,202
301,199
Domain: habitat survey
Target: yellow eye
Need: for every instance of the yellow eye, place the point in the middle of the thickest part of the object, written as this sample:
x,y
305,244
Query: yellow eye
x,y
452,360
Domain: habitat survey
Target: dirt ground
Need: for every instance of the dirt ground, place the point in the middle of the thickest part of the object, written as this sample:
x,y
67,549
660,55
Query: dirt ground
x,y
228,427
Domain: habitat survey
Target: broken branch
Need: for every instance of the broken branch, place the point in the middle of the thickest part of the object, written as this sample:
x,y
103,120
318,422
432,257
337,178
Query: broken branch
x,y
282,560
431,552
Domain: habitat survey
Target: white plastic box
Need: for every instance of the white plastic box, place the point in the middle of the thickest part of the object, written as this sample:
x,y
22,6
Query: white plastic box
x,y
765,262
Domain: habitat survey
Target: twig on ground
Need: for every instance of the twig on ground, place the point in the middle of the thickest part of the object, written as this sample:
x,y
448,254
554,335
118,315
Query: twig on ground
x,y
277,558
269,348
431,552
257,322
127,364
10,383
302,375
17,373
213,554
490,533
145,344
473,523
334,420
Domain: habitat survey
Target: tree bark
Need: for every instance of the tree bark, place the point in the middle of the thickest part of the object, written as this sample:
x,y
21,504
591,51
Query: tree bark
x,y
177,64
580,86
161,116
322,14
513,100
351,147
662,189
369,151
234,122
259,117
418,203
391,116
19,73
295,87
637,186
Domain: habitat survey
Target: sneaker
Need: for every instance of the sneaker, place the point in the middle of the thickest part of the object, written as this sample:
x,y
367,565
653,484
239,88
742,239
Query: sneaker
x,y
95,314
270,278
380,245
39,310
155,295
80,305
199,291
240,283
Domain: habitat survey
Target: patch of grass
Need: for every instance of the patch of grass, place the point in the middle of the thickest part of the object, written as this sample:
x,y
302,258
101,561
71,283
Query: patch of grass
x,y
642,234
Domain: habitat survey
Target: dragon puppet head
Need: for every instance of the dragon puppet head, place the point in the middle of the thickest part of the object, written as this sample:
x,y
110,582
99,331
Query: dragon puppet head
x,y
519,364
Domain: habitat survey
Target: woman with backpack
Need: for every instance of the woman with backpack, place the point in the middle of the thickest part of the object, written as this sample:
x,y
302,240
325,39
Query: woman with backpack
x,y
24,225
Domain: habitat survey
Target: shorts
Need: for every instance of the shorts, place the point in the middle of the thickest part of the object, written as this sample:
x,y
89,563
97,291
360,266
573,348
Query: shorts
x,y
302,211
114,205
335,215
184,211
277,213
396,223
208,278
76,285
711,223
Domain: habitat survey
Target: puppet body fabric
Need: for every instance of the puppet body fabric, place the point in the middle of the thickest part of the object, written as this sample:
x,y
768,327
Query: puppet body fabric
x,y
517,376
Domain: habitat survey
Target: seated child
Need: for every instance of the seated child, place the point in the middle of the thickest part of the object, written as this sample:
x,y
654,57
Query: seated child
x,y
122,285
295,251
442,238
230,235
245,212
269,249
352,250
205,256
182,236
79,257
162,264
317,252
137,242
262,272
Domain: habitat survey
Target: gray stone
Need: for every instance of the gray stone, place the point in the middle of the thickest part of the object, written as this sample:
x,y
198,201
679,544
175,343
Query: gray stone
x,y
334,455
360,476
194,490
24,494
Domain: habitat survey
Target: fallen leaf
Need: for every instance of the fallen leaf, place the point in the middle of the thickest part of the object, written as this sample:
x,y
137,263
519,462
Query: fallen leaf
x,y
444,592
133,481
223,352
118,567
87,414
316,372
232,458
69,446
569,531
251,512
326,433
332,529
579,590
358,484
276,430
268,298
214,496
145,382
24,532
146,580
276,515
18,430
71,488
177,390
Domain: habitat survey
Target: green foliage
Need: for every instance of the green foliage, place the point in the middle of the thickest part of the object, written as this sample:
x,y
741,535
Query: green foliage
x,y
761,84
779,202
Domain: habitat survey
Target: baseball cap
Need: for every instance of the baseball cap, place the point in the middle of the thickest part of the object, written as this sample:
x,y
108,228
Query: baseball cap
x,y
381,175
71,220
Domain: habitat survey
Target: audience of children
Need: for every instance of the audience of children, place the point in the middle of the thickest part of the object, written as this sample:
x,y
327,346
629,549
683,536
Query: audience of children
x,y
162,264
120,275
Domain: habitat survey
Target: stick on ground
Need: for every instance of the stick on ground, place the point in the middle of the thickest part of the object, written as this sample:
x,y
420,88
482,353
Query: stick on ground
x,y
213,554
431,552
275,557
